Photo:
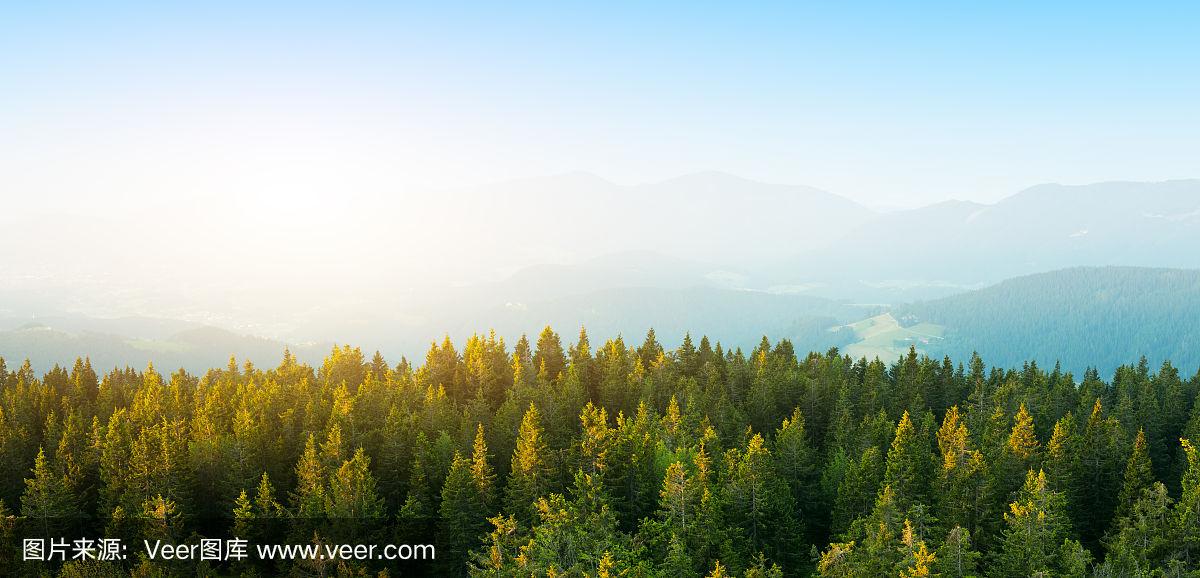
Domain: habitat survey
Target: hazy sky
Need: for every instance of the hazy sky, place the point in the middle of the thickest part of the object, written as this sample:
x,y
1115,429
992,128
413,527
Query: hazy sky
x,y
108,105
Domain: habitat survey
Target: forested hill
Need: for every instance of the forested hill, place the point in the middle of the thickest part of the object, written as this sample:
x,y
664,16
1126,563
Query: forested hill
x,y
1043,228
548,458
1087,316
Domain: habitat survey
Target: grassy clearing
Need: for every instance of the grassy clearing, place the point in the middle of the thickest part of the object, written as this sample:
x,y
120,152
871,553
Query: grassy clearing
x,y
882,336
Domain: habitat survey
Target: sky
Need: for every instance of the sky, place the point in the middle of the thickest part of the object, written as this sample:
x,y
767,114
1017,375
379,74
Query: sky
x,y
162,108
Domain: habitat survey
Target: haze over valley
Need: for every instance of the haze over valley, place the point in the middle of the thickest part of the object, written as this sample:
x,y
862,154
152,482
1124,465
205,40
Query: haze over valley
x,y
703,253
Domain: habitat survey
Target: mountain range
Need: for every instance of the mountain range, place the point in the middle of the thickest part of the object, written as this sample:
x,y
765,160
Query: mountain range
x,y
705,253
955,245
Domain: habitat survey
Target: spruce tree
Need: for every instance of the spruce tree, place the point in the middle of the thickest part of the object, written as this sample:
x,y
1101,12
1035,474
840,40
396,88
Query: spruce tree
x,y
548,358
1101,463
796,462
857,490
353,504
529,474
1187,511
462,514
1139,476
47,500
908,465
481,470
956,558
308,500
1036,526
1144,539
961,483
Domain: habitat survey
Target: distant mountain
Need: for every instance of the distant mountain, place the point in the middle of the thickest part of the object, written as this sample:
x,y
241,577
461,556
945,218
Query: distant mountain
x,y
960,245
1086,316
740,318
624,294
195,349
133,327
625,269
710,216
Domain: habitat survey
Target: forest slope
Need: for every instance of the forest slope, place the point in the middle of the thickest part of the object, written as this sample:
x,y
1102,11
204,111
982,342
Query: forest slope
x,y
1085,316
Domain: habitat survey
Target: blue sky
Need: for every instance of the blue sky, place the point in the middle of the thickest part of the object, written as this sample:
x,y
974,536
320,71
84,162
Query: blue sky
x,y
889,105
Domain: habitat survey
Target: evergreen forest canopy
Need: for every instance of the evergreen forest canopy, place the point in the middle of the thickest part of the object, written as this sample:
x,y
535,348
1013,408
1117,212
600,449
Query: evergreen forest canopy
x,y
617,460
1083,316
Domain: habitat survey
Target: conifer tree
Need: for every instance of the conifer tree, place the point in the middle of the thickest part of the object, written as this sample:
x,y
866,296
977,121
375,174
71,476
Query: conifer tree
x,y
880,535
576,536
1022,441
918,560
1036,526
1101,464
1144,538
265,503
857,490
908,465
418,512
760,503
462,514
548,357
678,561
482,474
309,499
1139,476
796,460
1020,454
244,516
529,474
47,500
961,485
1062,457
955,557
353,504
1187,511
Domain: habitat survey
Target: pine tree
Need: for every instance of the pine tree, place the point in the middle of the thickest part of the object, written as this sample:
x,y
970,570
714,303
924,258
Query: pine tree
x,y
502,551
1101,462
529,476
462,514
1187,511
417,514
796,464
678,561
47,500
576,536
352,502
956,558
880,535
548,357
839,561
309,497
1035,527
1019,456
677,507
1144,538
857,490
1139,476
1022,441
161,519
76,463
908,465
265,504
918,561
244,517
718,571
1062,457
760,503
961,484
481,470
